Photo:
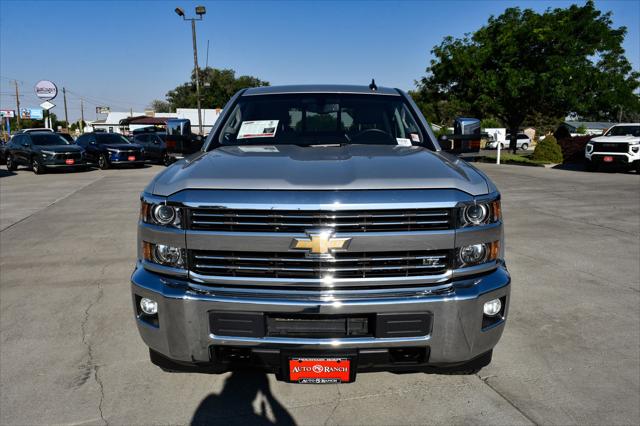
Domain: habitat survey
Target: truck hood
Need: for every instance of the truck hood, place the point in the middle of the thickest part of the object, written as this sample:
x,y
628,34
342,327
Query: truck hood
x,y
291,167
121,146
617,139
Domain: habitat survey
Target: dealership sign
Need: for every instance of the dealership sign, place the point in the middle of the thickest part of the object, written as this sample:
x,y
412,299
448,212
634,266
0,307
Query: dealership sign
x,y
103,110
45,89
7,113
46,105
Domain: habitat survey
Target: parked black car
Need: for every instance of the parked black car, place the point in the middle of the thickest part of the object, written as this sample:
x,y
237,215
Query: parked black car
x,y
155,147
41,151
110,149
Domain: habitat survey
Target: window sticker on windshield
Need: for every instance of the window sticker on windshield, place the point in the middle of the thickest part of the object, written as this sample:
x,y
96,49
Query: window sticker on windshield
x,y
258,149
415,137
258,129
403,141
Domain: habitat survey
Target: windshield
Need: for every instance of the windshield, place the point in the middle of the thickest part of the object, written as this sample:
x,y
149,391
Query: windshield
x,y
624,131
110,138
318,119
47,139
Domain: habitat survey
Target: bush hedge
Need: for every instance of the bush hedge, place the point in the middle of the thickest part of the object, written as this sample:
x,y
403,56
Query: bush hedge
x,y
573,148
548,150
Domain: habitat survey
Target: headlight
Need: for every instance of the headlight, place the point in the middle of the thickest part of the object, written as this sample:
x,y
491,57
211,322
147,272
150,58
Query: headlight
x,y
45,153
635,148
476,254
589,148
480,213
112,150
161,214
163,254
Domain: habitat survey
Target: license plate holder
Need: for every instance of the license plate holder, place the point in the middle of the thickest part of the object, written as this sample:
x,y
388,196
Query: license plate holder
x,y
321,369
608,159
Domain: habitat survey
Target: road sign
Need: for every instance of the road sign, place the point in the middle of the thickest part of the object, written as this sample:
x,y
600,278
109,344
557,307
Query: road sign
x,y
46,105
45,89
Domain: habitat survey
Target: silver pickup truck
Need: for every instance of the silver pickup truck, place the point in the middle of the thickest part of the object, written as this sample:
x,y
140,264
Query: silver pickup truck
x,y
320,232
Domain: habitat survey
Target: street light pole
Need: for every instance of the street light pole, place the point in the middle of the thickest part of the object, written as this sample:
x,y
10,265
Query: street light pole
x,y
195,65
200,10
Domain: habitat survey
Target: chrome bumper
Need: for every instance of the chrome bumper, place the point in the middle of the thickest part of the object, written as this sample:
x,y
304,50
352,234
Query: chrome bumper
x,y
183,331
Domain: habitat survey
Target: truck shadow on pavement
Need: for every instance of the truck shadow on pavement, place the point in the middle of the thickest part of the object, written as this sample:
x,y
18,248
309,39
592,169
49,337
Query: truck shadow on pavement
x,y
242,391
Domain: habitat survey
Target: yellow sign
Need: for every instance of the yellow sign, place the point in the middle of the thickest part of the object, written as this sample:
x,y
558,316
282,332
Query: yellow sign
x,y
320,244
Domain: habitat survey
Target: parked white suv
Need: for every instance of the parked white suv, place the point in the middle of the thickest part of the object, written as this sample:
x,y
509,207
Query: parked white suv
x,y
619,146
523,142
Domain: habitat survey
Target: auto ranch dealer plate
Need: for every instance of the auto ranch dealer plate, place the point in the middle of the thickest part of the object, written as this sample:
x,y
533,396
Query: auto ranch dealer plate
x,y
131,158
608,159
320,370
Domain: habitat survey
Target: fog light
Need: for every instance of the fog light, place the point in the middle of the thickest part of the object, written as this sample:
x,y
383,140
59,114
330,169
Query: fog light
x,y
150,307
476,253
492,307
168,255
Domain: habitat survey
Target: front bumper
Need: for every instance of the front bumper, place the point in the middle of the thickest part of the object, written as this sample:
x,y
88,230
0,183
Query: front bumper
x,y
619,158
183,333
54,164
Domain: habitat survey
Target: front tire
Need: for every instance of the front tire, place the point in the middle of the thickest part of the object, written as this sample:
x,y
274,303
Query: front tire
x,y
37,167
103,163
590,167
11,165
525,146
501,146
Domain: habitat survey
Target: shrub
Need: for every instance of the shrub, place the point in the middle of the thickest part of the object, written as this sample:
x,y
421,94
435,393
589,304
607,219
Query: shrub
x,y
573,148
548,150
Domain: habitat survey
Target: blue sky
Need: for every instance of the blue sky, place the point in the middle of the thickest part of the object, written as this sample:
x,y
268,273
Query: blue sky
x,y
123,54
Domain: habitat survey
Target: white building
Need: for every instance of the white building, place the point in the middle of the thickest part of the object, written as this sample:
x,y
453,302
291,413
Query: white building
x,y
113,121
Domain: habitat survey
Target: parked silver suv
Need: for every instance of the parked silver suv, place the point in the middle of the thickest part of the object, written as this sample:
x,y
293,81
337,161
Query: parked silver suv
x,y
321,231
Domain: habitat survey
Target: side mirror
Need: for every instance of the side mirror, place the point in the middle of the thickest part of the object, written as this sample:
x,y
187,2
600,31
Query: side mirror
x,y
466,136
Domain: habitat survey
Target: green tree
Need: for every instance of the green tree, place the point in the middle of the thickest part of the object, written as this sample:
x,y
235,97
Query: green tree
x,y
216,88
158,105
524,63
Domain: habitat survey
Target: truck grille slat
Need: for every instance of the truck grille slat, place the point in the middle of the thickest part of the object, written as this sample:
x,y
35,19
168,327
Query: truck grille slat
x,y
297,265
610,147
298,221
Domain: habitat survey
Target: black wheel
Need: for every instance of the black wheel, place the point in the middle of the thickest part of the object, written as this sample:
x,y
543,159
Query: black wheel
x,y
525,146
501,146
590,166
103,163
37,167
11,164
166,160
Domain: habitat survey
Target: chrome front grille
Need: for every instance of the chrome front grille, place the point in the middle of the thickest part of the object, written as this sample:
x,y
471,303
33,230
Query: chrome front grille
x,y
297,265
302,220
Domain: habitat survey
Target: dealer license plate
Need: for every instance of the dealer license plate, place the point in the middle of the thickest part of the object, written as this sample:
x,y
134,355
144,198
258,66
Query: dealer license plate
x,y
131,158
608,159
319,370
69,161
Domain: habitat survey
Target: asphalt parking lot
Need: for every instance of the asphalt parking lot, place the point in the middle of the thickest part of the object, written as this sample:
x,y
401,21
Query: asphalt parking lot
x,y
70,352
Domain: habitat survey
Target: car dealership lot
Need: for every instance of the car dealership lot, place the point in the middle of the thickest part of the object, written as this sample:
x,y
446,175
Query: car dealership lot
x,y
70,351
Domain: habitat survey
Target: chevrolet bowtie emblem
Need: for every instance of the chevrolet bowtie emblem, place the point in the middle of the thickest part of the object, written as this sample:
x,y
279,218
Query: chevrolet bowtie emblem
x,y
320,244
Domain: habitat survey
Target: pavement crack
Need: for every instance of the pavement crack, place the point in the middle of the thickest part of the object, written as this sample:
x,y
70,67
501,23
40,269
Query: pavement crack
x,y
335,407
485,380
91,364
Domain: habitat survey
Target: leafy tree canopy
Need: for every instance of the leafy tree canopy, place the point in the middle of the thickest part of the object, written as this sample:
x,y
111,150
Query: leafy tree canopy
x,y
523,63
159,105
216,88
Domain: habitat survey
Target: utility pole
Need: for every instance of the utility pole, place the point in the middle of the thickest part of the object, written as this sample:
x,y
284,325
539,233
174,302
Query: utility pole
x,y
195,64
17,104
81,116
200,10
66,115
